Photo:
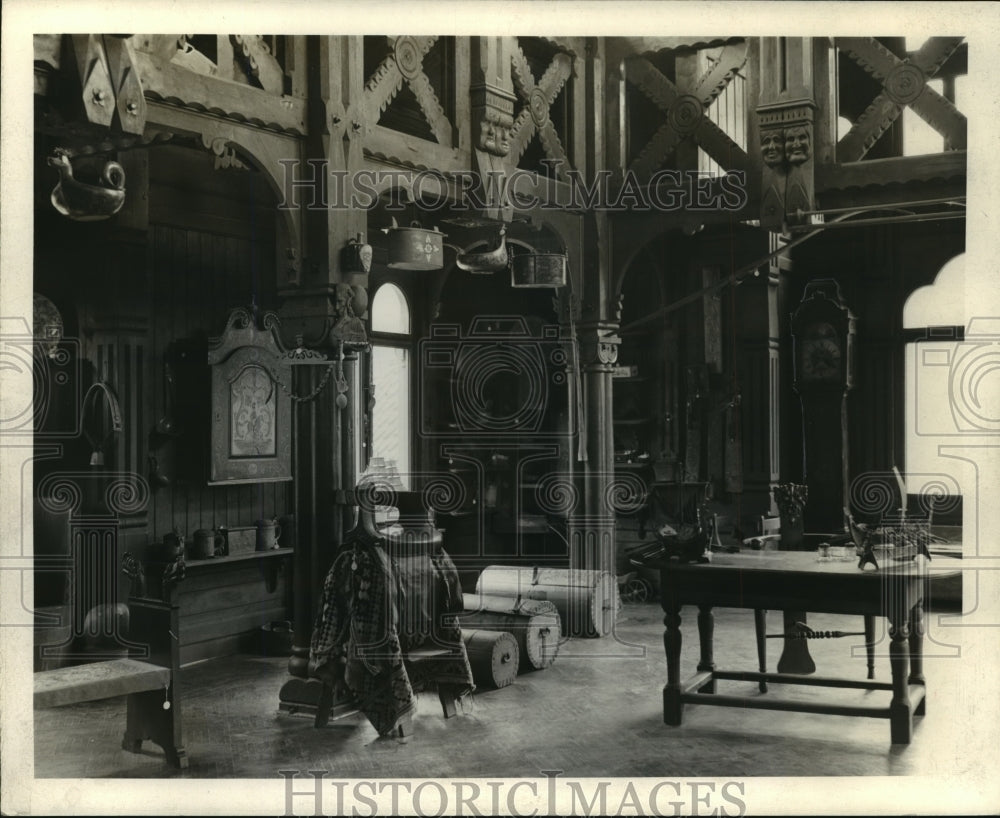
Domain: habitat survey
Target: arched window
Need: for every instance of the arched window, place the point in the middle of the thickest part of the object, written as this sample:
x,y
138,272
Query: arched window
x,y
390,312
390,366
947,399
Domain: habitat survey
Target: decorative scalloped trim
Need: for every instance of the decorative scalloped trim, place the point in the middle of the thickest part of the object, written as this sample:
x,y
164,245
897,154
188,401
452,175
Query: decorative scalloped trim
x,y
830,184
696,45
394,160
524,82
234,116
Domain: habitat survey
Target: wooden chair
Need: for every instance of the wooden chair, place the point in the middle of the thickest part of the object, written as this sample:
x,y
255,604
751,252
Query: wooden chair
x,y
796,655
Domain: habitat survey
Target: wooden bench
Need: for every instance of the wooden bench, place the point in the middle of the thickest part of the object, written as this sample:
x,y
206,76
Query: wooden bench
x,y
150,678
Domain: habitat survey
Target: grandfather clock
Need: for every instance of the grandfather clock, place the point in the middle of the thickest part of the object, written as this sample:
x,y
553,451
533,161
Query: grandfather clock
x,y
823,330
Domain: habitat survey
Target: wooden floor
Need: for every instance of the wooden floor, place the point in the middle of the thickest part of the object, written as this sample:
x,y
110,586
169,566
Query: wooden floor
x,y
595,712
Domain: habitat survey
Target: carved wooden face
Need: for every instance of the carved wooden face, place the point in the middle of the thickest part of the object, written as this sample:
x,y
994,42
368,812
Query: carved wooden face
x,y
797,144
772,147
494,137
487,136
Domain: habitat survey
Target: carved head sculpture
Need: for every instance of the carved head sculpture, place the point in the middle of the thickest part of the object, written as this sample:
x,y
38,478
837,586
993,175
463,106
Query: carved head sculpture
x,y
772,146
487,136
344,304
503,139
494,134
797,144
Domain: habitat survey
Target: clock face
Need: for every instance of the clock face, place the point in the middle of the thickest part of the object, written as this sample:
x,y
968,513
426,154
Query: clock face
x,y
821,354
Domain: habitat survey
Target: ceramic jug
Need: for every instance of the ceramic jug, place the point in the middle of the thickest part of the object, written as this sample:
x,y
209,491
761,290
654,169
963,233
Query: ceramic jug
x,y
268,532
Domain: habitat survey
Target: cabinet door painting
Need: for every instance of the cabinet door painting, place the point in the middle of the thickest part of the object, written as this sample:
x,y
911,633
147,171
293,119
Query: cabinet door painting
x,y
253,418
251,414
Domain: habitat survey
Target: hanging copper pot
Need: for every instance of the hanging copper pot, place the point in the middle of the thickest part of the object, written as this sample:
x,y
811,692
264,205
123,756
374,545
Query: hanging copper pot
x,y
415,248
538,270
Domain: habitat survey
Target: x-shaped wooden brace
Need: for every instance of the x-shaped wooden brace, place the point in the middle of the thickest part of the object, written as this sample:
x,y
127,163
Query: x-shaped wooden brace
x,y
405,63
685,111
538,98
904,83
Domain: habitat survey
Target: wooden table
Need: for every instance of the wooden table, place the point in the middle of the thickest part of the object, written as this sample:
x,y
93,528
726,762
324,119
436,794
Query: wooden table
x,y
789,580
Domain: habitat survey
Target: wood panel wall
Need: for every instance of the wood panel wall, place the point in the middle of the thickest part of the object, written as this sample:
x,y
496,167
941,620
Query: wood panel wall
x,y
210,248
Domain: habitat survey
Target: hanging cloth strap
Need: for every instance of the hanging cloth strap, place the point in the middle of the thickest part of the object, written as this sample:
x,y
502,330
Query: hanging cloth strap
x,y
100,393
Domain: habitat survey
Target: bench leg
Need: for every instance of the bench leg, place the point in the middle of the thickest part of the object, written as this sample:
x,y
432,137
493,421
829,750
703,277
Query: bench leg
x,y
146,719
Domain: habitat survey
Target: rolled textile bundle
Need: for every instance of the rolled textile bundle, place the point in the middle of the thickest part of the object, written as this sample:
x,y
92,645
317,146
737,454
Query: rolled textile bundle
x,y
494,656
534,624
587,600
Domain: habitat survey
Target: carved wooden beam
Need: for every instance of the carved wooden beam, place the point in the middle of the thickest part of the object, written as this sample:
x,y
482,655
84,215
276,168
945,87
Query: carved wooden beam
x,y
904,83
259,62
538,97
174,85
405,64
892,171
685,110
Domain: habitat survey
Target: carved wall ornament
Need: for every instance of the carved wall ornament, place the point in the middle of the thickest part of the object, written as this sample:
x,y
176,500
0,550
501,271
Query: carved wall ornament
x,y
494,133
84,202
404,63
904,84
684,109
225,154
493,114
254,58
685,114
538,97
798,144
347,327
786,134
409,57
772,147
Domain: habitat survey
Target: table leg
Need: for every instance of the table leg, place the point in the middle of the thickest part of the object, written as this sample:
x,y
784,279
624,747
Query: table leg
x,y
900,710
870,644
672,705
760,632
917,654
706,632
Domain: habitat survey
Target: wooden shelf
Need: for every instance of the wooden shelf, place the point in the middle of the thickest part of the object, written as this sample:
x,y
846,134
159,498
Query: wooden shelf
x,y
235,558
632,422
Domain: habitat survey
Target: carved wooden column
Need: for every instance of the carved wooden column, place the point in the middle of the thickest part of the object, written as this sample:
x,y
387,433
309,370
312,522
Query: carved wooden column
x,y
322,310
492,98
598,353
759,375
797,119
